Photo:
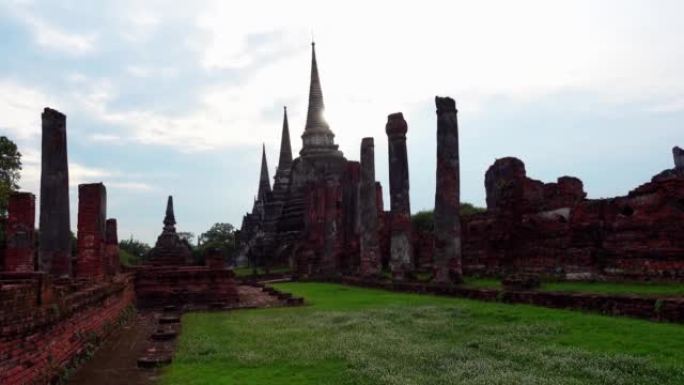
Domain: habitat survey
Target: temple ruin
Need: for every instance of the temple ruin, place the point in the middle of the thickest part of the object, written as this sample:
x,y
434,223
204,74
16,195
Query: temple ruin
x,y
322,223
324,217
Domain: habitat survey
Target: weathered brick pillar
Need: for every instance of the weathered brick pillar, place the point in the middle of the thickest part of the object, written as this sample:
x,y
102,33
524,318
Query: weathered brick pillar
x,y
112,247
447,239
54,250
370,246
92,211
678,155
333,226
20,232
401,251
379,203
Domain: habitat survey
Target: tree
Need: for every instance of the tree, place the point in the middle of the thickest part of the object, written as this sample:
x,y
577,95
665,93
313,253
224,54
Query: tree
x,y
220,236
137,249
186,236
10,165
424,220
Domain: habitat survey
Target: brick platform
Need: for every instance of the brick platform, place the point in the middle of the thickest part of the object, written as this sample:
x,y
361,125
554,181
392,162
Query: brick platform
x,y
180,285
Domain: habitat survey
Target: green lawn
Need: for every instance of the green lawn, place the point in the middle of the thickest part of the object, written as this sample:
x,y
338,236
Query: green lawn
x,y
641,288
247,271
352,335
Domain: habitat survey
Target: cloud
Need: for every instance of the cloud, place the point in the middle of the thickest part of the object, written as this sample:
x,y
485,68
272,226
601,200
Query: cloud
x,y
20,108
674,105
130,186
53,38
105,138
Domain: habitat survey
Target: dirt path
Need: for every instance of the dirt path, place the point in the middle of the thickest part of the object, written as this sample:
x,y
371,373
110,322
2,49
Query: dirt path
x,y
115,362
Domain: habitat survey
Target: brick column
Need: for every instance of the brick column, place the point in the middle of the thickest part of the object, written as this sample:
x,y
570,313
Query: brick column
x,y
370,247
54,251
112,247
20,233
401,251
447,239
92,211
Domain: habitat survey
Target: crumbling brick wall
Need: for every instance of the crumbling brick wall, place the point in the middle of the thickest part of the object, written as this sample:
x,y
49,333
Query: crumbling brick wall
x,y
38,341
552,229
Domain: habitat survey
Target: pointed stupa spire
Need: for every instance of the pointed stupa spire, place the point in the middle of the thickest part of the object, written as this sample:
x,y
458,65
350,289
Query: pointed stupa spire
x,y
315,121
170,218
285,161
264,183
317,137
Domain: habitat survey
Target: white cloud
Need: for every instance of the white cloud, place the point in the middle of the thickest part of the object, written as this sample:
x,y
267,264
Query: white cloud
x,y
53,38
524,50
146,71
674,105
105,138
374,61
20,108
130,186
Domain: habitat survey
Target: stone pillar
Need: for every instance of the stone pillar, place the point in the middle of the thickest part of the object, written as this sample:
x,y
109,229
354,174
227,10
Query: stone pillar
x,y
678,155
20,233
447,238
370,246
112,247
54,252
401,252
92,211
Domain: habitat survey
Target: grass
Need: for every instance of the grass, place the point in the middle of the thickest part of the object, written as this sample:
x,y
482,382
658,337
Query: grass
x,y
247,271
350,335
640,288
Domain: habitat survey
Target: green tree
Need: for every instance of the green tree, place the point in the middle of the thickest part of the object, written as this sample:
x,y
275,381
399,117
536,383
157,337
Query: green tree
x,y
424,220
134,249
186,236
220,236
10,165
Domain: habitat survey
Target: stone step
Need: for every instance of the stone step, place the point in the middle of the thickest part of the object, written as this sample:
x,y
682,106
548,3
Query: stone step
x,y
154,361
164,335
169,319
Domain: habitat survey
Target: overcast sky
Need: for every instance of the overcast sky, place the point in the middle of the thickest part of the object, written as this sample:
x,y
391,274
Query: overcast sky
x,y
176,97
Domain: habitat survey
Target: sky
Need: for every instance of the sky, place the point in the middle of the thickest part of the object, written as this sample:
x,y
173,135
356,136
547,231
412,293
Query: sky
x,y
175,98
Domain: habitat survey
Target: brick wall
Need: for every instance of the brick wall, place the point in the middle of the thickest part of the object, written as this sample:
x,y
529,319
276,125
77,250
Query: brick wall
x,y
39,340
178,285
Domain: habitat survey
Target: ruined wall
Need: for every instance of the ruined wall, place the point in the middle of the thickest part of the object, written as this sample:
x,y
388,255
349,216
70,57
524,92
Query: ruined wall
x,y
20,233
551,229
330,242
180,285
46,328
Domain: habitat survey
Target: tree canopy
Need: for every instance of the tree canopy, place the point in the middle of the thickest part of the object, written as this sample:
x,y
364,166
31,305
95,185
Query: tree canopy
x,y
220,236
10,165
424,220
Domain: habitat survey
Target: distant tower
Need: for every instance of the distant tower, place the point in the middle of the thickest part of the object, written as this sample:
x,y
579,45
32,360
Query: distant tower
x,y
317,138
169,250
264,180
285,160
169,217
